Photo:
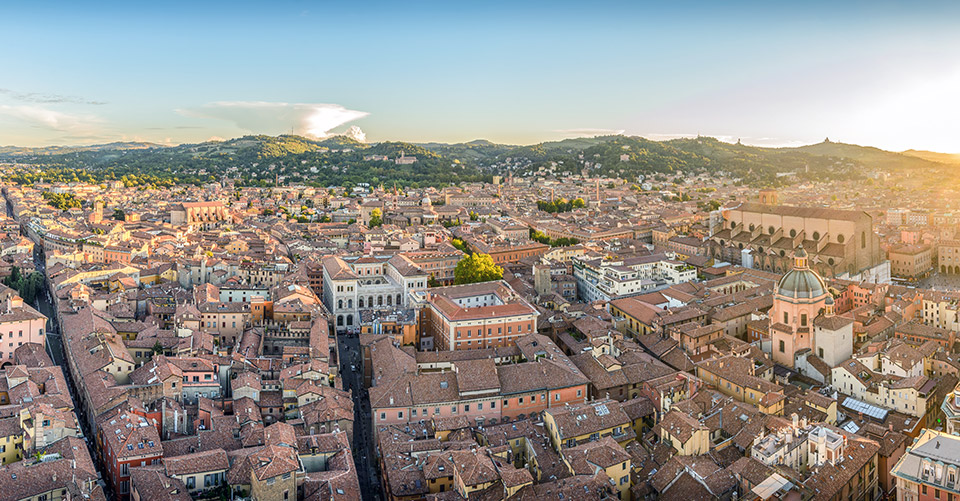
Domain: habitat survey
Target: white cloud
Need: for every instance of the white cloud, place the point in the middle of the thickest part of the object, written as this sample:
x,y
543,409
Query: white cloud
x,y
41,98
356,133
309,119
51,119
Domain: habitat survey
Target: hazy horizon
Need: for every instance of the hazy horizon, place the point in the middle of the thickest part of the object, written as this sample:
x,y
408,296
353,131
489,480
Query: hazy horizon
x,y
867,73
656,137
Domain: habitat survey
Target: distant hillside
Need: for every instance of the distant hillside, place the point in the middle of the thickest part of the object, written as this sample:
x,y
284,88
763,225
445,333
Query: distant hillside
x,y
251,160
478,151
260,159
56,150
867,155
946,158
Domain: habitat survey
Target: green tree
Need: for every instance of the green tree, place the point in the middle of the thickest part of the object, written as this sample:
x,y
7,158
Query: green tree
x,y
456,242
119,214
157,348
476,268
376,218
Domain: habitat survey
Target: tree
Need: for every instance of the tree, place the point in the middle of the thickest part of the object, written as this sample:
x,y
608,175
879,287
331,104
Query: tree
x,y
476,268
157,348
462,247
119,214
376,218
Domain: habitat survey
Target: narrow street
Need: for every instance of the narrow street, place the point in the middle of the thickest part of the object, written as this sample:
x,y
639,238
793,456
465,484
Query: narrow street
x,y
55,348
364,454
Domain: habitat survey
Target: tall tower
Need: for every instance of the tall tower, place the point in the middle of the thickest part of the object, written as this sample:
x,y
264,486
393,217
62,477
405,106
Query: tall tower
x,y
598,189
97,215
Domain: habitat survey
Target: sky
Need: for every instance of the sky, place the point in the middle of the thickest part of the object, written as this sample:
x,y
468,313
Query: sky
x,y
768,73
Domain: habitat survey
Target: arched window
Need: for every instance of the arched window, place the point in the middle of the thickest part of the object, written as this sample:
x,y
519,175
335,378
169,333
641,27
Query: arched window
x,y
370,301
379,300
389,300
863,240
350,303
349,319
398,300
752,227
360,302
340,320
340,304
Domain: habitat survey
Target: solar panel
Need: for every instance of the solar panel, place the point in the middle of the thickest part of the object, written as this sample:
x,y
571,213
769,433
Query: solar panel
x,y
851,427
868,409
602,410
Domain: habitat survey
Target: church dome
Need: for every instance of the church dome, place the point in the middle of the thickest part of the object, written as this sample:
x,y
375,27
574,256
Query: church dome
x,y
801,282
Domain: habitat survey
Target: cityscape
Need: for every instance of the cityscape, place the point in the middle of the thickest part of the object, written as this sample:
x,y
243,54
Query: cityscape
x,y
235,289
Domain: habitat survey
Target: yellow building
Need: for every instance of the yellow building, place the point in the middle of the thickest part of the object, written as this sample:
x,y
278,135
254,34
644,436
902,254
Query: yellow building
x,y
736,377
603,455
572,425
685,434
11,440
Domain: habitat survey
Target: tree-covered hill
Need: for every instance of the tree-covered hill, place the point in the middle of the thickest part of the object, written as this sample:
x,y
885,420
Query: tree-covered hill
x,y
869,156
340,160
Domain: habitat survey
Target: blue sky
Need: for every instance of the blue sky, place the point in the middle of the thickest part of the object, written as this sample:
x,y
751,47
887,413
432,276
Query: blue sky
x,y
770,73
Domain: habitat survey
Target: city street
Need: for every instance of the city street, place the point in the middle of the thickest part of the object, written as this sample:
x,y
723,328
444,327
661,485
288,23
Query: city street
x,y
55,348
363,442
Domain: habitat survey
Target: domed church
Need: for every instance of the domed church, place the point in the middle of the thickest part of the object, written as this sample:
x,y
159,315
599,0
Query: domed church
x,y
802,320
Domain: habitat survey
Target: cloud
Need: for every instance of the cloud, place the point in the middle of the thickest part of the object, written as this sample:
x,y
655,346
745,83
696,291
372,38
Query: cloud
x,y
356,133
41,98
309,119
589,132
39,116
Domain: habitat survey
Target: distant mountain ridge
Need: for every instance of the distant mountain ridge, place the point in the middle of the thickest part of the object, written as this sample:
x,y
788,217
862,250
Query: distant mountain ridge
x,y
946,158
342,159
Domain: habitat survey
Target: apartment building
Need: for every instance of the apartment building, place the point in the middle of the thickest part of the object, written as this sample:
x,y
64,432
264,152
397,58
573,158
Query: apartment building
x,y
475,316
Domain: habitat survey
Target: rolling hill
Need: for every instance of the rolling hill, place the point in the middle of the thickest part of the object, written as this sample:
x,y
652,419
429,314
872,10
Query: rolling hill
x,y
258,159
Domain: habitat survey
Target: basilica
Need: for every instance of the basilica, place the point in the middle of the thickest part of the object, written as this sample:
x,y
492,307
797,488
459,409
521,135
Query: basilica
x,y
803,323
